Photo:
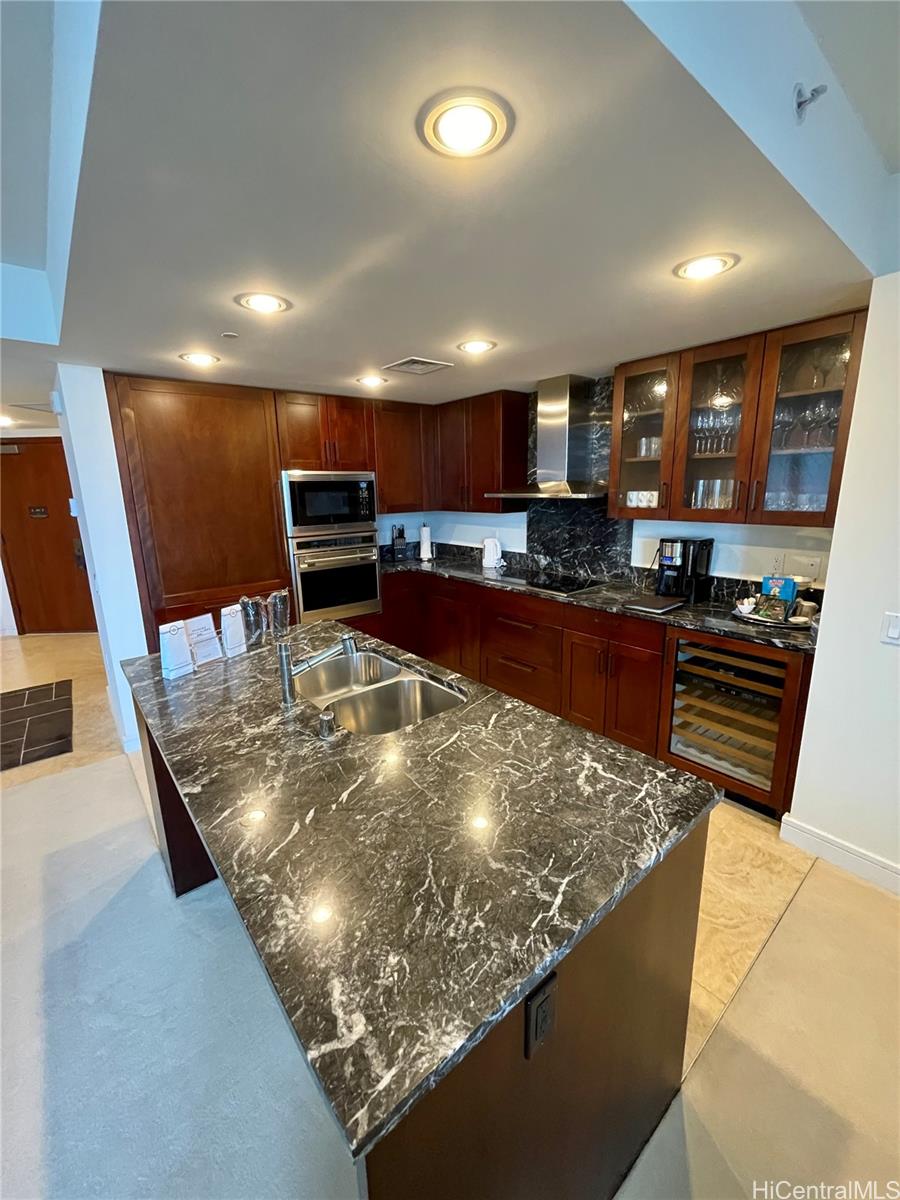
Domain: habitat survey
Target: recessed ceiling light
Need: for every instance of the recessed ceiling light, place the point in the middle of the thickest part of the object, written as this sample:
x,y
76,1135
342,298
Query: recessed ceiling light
x,y
197,359
476,346
706,266
465,122
6,421
262,302
371,381
228,334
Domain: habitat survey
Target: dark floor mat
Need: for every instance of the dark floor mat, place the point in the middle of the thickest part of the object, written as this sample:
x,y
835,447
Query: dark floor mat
x,y
35,723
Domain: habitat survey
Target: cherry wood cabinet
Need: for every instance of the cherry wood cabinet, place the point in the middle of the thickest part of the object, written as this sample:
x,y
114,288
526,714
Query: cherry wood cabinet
x,y
325,433
584,680
718,393
632,696
806,402
643,437
452,456
613,688
750,430
199,469
481,447
402,458
452,627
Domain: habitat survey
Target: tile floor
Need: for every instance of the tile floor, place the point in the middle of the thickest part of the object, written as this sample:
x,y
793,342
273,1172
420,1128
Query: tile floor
x,y
45,658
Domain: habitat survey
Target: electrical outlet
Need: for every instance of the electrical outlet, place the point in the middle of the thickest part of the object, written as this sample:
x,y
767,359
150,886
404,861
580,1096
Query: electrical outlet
x,y
777,567
808,565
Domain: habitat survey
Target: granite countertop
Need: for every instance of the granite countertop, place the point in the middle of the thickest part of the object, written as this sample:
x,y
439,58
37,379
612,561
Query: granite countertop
x,y
612,596
404,892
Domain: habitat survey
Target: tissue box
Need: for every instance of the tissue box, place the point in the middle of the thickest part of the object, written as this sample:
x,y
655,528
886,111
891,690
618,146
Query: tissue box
x,y
782,586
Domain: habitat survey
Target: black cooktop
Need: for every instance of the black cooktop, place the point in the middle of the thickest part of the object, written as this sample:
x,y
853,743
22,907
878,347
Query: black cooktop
x,y
561,585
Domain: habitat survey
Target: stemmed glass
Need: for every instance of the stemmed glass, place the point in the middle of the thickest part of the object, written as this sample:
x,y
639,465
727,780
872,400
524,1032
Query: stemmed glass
x,y
781,425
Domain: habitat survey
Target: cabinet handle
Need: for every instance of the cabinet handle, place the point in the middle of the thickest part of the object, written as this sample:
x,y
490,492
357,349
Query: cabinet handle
x,y
601,662
511,662
738,493
518,624
664,494
612,666
754,495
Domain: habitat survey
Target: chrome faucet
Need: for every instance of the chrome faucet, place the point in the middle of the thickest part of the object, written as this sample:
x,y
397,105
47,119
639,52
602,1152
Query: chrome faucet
x,y
288,669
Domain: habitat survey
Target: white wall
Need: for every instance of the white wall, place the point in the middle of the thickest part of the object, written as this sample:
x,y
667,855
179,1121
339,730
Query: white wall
x,y
460,529
7,616
94,474
742,551
846,804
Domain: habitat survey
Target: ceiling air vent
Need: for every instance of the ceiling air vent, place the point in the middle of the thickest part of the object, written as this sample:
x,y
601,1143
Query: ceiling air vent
x,y
417,366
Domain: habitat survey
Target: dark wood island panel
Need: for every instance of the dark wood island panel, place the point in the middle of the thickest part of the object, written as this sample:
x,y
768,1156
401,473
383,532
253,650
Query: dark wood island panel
x,y
568,1122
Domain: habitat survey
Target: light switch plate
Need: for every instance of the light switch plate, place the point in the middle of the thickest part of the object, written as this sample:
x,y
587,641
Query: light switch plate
x,y
890,628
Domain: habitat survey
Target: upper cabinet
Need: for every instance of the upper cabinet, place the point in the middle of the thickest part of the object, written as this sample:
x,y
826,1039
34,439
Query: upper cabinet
x,y
749,430
645,397
806,401
482,447
718,390
401,456
325,433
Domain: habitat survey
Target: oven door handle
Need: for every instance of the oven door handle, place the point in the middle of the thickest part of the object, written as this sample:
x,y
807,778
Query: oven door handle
x,y
335,560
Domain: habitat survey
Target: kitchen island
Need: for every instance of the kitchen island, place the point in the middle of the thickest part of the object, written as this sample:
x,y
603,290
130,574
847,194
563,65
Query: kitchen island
x,y
417,898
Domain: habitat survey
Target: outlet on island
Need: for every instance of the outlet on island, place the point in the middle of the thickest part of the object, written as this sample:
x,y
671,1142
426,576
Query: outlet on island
x,y
540,1014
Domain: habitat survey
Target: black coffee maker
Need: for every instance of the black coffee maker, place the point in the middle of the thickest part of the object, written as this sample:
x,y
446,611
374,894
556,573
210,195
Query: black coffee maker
x,y
684,568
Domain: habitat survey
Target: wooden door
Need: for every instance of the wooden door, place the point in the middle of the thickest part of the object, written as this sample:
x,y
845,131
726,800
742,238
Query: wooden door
x,y
718,393
42,554
632,696
584,680
452,623
451,456
200,474
303,435
806,402
483,438
351,434
643,437
399,457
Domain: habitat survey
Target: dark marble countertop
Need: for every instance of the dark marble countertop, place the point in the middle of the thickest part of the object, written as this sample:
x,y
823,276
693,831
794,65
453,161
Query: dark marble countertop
x,y
612,596
404,892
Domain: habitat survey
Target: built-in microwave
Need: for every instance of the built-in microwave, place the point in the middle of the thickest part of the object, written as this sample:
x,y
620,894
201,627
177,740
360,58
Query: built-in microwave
x,y
328,500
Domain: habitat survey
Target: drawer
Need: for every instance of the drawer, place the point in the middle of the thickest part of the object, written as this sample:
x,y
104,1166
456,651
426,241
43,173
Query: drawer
x,y
536,609
535,685
527,641
631,631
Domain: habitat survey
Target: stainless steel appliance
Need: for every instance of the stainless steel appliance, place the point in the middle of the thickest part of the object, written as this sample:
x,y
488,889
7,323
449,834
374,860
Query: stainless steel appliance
x,y
332,543
684,568
326,500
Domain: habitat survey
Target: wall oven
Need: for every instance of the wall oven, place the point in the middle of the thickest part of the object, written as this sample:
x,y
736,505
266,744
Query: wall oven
x,y
332,543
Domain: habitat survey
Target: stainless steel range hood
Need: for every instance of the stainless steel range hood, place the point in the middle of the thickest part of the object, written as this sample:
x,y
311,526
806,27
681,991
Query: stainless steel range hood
x,y
564,442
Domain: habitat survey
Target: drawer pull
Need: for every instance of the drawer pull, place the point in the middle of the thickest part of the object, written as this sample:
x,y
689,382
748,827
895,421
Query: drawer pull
x,y
517,624
511,662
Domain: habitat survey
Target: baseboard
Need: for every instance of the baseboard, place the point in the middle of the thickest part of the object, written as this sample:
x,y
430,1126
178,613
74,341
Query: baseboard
x,y
843,854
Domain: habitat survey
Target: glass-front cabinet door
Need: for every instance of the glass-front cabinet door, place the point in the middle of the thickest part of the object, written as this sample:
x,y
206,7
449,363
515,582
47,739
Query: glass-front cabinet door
x,y
806,400
643,436
718,390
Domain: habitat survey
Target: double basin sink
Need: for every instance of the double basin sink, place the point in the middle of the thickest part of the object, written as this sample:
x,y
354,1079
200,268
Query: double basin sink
x,y
371,694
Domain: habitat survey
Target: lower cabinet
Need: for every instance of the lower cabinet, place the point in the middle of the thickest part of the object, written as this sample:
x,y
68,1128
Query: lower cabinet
x,y
451,621
521,655
612,688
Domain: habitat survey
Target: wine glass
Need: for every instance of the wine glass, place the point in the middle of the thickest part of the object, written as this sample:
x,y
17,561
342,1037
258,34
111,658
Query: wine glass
x,y
807,421
780,426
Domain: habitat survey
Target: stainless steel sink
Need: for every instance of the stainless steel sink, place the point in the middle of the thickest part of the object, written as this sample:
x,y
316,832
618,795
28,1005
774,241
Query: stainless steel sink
x,y
393,705
371,694
345,674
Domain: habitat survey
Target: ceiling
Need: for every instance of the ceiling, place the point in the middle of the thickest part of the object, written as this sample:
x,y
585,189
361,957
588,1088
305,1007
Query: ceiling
x,y
266,146
26,55
861,40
